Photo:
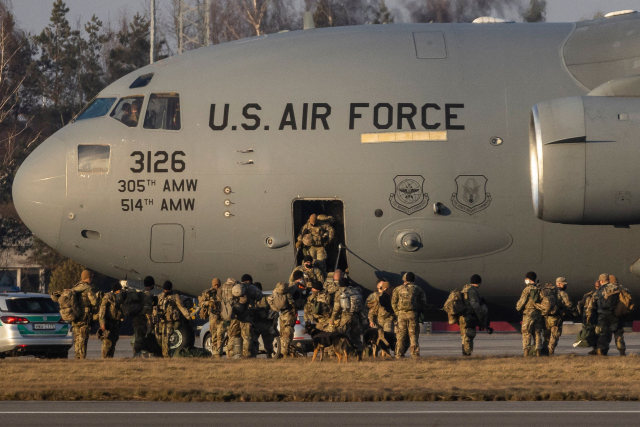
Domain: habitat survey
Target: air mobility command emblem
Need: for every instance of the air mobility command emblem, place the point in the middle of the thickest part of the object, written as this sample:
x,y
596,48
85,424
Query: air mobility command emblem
x,y
471,195
409,196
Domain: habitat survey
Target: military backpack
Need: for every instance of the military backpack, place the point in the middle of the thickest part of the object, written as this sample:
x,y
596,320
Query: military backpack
x,y
71,307
351,300
548,304
406,298
626,303
278,300
207,303
133,303
454,306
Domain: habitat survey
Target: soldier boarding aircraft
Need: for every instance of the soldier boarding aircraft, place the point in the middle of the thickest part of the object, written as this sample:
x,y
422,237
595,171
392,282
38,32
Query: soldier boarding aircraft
x,y
425,143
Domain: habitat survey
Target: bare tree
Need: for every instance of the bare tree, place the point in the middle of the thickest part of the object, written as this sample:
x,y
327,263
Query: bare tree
x,y
254,12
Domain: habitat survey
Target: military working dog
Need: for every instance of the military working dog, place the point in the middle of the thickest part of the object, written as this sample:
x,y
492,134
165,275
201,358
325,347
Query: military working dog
x,y
340,343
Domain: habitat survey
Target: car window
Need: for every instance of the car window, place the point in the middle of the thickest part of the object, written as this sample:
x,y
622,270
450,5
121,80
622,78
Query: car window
x,y
163,111
128,110
32,305
98,108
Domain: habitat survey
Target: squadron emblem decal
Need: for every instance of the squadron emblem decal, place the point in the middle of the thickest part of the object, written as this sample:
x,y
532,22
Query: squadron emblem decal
x,y
471,195
409,196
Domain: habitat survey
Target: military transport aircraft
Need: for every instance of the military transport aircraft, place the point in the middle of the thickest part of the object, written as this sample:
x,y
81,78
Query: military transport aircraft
x,y
425,143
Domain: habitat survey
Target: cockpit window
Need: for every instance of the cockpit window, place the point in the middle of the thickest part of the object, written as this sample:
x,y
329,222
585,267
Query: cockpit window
x,y
93,158
98,108
128,110
163,111
141,81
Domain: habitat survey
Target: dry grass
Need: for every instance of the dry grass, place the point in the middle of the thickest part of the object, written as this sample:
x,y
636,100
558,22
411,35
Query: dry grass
x,y
477,378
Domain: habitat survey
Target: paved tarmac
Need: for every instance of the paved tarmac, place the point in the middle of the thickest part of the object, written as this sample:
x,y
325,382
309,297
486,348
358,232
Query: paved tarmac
x,y
447,344
521,414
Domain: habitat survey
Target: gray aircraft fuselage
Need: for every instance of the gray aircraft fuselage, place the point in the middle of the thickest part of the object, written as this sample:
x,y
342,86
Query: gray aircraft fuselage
x,y
393,118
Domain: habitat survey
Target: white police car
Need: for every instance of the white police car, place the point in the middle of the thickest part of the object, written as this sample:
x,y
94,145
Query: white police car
x,y
30,324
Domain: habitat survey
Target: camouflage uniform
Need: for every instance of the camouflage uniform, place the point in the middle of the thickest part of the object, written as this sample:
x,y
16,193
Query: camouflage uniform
x,y
142,321
262,327
474,315
531,320
553,324
239,328
380,316
348,323
311,275
408,301
318,310
111,316
287,318
315,238
169,309
607,298
208,301
82,328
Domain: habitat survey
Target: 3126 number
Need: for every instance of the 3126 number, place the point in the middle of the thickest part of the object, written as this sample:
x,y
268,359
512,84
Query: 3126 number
x,y
161,159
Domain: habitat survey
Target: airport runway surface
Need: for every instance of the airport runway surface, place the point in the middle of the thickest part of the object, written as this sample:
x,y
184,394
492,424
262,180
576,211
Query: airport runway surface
x,y
446,344
521,414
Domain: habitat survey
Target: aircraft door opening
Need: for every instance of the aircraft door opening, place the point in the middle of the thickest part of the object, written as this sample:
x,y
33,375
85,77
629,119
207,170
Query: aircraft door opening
x,y
328,235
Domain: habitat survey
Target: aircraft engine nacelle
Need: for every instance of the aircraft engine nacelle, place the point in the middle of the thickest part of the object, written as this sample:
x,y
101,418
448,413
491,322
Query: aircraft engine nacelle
x,y
585,160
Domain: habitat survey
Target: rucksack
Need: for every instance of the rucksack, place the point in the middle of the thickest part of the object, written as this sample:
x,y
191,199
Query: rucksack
x,y
454,306
405,298
238,290
132,304
548,305
351,300
626,304
71,309
279,299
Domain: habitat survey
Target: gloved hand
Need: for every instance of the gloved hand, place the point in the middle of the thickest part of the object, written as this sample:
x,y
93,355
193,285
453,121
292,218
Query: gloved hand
x,y
298,244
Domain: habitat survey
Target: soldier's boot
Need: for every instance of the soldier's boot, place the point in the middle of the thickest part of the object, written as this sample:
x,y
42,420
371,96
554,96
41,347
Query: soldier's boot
x,y
593,352
601,352
622,352
237,348
551,351
539,353
527,352
465,352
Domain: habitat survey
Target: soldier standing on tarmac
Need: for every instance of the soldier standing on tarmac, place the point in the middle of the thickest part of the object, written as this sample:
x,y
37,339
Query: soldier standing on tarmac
x,y
532,316
209,303
110,318
380,312
168,310
319,308
475,314
609,324
588,309
408,302
283,303
553,323
142,321
82,328
263,325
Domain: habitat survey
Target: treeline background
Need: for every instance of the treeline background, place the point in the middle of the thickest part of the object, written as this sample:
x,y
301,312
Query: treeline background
x,y
46,78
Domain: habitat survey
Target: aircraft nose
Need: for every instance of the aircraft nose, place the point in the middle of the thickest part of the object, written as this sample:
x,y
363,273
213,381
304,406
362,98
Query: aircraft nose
x,y
39,190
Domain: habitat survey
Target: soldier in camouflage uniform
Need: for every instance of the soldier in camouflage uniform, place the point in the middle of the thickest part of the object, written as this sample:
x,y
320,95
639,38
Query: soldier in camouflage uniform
x,y
589,311
349,323
311,274
209,304
609,324
475,314
380,312
282,302
169,309
81,329
553,323
314,237
239,327
110,318
263,325
318,308
142,321
408,302
532,317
